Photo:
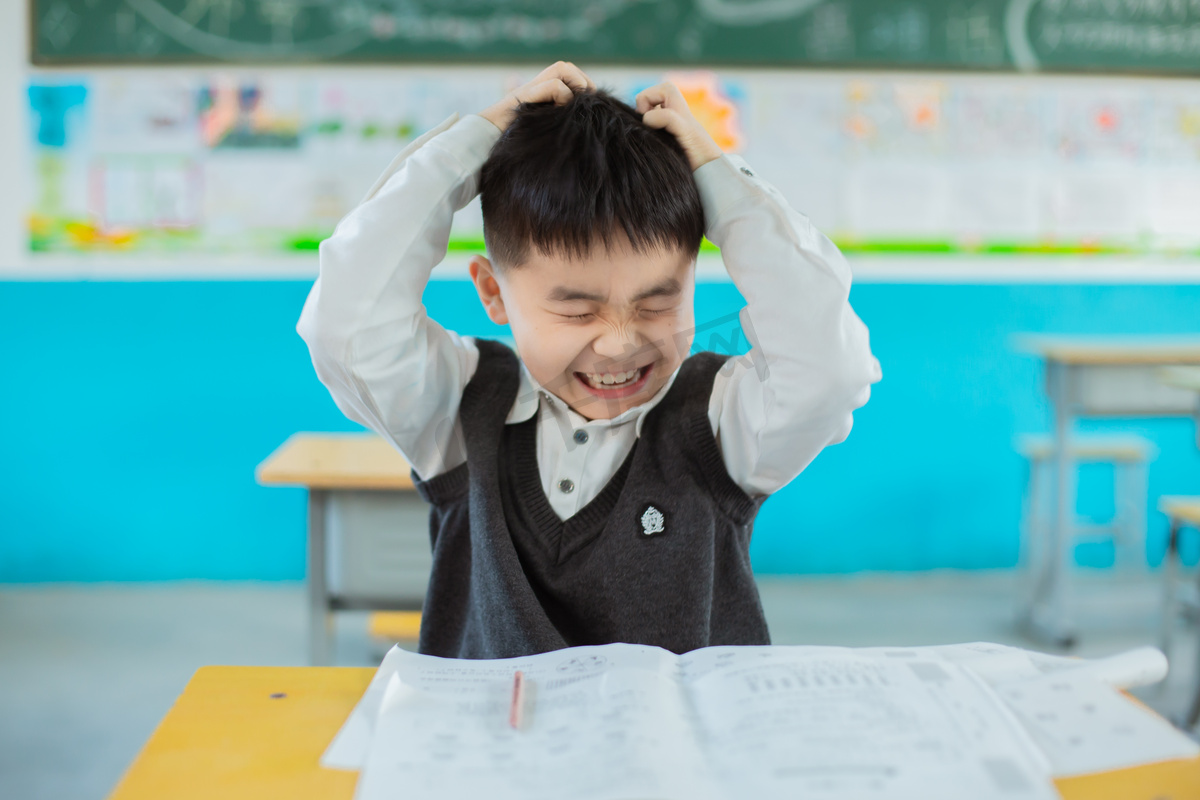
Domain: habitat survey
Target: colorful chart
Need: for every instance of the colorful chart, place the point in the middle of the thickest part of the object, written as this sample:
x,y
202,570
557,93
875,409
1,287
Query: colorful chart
x,y
254,166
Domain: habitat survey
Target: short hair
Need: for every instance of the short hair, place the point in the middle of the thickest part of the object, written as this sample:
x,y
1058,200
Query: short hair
x,y
563,179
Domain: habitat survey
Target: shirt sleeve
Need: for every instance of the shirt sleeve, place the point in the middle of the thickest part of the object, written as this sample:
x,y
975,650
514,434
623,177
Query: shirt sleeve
x,y
386,364
810,363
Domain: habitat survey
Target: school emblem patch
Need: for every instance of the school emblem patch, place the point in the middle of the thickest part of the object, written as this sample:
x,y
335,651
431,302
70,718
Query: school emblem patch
x,y
652,521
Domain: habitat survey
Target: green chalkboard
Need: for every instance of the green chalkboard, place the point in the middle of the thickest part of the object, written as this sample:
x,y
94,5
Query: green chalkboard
x,y
1161,36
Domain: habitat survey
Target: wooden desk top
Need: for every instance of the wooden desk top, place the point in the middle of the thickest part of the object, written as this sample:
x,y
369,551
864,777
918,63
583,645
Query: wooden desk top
x,y
1113,350
228,737
1181,377
336,461
1186,509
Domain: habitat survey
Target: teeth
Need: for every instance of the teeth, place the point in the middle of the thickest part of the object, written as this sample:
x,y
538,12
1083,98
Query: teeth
x,y
609,378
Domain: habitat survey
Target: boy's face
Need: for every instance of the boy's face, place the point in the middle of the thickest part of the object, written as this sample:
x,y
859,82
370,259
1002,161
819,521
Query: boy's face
x,y
604,333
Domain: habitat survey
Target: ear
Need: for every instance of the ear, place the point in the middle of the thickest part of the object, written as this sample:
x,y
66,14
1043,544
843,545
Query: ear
x,y
483,275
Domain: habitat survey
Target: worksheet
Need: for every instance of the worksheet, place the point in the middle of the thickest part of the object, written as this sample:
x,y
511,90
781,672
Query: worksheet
x,y
459,676
853,726
599,722
1084,727
625,721
1073,742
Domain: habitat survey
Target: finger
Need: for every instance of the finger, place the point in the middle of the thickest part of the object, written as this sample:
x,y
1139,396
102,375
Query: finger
x,y
663,118
568,73
576,78
665,94
553,90
649,98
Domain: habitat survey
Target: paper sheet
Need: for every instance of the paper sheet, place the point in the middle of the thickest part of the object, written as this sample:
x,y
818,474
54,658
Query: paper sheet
x,y
602,722
448,675
996,664
622,721
851,726
349,748
1084,726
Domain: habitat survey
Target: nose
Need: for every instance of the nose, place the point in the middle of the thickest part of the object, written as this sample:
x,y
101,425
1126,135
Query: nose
x,y
617,342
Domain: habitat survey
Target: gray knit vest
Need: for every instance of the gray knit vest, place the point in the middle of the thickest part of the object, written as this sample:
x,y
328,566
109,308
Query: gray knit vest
x,y
660,556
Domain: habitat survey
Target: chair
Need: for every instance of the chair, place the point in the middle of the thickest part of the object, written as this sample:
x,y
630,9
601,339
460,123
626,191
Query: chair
x,y
1129,455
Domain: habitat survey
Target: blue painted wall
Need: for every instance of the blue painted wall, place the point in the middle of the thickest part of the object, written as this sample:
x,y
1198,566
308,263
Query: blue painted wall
x,y
132,416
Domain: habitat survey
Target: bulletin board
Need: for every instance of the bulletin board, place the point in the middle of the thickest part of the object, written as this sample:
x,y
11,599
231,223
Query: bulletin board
x,y
135,165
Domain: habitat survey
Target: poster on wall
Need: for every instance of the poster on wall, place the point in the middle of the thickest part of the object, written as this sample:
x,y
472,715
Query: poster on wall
x,y
262,166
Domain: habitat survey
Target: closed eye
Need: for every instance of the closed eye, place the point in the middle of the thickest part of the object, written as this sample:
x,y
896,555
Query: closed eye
x,y
576,317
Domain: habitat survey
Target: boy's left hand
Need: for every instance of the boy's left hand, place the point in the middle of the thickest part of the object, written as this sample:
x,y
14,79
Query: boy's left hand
x,y
662,106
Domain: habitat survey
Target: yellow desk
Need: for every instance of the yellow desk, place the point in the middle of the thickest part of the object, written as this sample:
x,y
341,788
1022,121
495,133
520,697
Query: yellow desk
x,y
368,530
257,733
336,461
1088,376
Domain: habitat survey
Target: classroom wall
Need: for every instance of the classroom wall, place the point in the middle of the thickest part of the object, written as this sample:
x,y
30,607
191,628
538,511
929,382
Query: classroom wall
x,y
132,416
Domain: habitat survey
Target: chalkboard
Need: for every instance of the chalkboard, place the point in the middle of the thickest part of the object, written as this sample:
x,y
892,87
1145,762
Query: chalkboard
x,y
1159,36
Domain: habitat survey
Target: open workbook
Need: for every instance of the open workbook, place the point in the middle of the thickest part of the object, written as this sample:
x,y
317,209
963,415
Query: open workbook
x,y
631,721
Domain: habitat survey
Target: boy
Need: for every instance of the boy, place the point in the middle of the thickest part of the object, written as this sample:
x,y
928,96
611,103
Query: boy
x,y
603,486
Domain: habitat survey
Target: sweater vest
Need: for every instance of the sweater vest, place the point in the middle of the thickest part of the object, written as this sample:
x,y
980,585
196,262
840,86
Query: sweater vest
x,y
660,556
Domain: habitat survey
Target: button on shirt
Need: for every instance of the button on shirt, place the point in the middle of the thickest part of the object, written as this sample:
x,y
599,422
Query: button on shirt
x,y
572,450
391,368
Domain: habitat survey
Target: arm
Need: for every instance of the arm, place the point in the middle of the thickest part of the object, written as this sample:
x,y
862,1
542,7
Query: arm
x,y
810,364
387,365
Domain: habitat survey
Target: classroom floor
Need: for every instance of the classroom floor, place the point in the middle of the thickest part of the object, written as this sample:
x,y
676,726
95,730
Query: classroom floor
x,y
86,672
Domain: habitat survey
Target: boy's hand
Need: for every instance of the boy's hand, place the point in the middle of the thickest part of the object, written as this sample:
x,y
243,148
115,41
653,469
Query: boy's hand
x,y
557,83
662,106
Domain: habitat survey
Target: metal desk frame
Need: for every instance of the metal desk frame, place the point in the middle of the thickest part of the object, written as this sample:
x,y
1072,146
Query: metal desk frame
x,y
325,464
1047,611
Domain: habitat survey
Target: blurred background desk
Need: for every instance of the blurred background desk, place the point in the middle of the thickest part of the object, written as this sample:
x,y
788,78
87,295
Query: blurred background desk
x,y
368,530
1093,377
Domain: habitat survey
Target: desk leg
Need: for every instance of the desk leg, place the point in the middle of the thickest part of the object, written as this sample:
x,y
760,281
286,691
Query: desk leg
x,y
1170,606
1049,612
320,619
1193,714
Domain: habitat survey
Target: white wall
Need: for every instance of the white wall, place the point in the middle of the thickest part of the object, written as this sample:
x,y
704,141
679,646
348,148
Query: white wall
x,y
13,57
16,262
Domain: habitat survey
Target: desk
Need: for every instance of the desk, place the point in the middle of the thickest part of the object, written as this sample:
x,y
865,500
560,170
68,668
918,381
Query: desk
x,y
227,737
1095,377
368,530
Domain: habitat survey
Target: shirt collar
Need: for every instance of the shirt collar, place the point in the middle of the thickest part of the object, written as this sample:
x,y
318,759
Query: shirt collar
x,y
530,395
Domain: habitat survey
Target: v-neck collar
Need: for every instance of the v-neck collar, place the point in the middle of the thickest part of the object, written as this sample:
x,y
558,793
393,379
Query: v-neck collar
x,y
561,538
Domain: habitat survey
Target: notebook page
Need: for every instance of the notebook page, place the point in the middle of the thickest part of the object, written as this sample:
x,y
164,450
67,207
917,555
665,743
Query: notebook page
x,y
1084,726
351,744
348,750
601,723
837,725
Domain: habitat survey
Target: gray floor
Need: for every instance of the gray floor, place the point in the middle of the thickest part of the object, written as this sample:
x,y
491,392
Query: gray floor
x,y
86,672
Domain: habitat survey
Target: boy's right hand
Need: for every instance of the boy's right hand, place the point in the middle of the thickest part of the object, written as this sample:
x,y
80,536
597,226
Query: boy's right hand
x,y
557,83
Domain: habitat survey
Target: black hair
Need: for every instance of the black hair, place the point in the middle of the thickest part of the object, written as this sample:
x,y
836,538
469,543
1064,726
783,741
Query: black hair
x,y
563,179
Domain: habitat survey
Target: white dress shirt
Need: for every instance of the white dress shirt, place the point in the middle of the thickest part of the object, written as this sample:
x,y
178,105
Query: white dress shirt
x,y
391,368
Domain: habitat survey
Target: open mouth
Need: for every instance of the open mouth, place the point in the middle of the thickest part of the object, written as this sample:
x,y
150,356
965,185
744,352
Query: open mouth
x,y
612,385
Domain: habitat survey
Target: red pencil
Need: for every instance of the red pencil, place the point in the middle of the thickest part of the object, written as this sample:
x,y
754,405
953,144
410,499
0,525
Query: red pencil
x,y
518,700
